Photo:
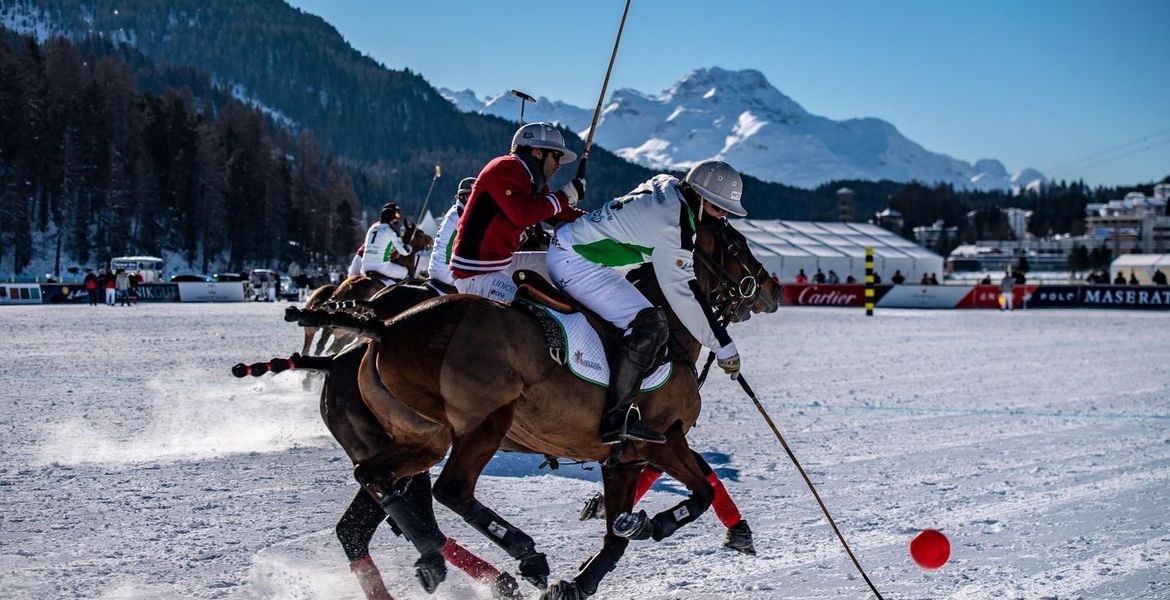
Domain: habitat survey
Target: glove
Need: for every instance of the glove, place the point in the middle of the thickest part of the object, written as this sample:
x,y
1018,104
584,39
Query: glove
x,y
727,358
574,191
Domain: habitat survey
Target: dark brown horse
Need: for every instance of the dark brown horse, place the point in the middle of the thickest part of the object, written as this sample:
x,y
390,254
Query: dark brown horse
x,y
479,372
357,288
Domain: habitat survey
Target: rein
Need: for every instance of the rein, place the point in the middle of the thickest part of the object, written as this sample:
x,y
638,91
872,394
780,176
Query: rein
x,y
730,294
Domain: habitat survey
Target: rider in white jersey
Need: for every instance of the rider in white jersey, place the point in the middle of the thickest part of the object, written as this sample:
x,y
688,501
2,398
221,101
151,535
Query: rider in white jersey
x,y
383,245
439,267
655,223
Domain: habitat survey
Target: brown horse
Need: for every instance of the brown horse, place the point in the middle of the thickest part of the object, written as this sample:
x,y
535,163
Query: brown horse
x,y
357,288
480,373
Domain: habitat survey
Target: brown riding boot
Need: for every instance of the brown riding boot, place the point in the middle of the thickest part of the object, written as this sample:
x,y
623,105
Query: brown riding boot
x,y
636,358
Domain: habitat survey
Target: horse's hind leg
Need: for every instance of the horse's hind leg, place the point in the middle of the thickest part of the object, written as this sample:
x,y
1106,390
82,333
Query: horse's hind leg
x,y
455,488
620,485
677,460
354,531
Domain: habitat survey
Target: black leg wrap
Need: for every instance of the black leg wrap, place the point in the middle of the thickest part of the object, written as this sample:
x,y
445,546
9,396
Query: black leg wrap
x,y
424,534
601,564
516,543
667,522
431,570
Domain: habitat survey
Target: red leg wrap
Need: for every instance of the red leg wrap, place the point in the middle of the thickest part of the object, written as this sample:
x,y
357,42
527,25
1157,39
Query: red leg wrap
x,y
469,563
724,506
370,579
645,480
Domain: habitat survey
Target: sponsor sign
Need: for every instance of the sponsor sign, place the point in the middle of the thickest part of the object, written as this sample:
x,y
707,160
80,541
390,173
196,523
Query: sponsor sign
x,y
924,296
1116,296
158,292
58,293
826,295
201,291
987,296
20,293
1055,296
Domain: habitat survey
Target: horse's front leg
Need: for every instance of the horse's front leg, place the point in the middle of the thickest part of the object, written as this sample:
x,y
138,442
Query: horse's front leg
x,y
620,487
455,489
677,460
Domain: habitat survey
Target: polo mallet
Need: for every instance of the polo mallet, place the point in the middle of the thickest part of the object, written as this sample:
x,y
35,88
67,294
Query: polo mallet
x,y
523,99
601,98
751,394
423,210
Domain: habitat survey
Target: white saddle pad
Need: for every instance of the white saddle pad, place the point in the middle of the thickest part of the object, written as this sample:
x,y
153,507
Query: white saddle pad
x,y
586,356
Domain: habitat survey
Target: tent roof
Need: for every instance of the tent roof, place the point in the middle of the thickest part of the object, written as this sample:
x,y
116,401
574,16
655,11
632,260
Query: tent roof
x,y
826,239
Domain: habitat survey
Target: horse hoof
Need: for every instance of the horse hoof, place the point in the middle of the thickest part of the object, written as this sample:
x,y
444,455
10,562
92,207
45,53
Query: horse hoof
x,y
633,526
594,508
563,590
506,588
431,570
534,569
739,538
291,314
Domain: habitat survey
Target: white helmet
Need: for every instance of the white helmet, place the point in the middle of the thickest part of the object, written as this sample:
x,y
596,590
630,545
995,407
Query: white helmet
x,y
718,183
543,135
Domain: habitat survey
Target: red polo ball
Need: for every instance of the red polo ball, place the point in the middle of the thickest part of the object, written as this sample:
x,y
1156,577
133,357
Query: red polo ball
x,y
930,549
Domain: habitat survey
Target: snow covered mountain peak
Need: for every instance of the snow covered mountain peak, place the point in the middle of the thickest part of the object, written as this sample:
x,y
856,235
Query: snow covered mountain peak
x,y
740,117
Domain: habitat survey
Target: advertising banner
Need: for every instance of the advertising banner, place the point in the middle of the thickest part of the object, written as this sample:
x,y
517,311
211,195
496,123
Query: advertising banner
x,y
1117,296
158,292
924,296
58,293
20,293
1055,296
199,291
987,296
826,295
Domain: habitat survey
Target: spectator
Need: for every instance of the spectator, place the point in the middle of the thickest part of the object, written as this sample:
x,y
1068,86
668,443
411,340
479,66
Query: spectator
x,y
1133,280
850,279
819,277
111,292
122,287
876,278
933,279
1119,280
91,287
801,277
1159,277
135,279
986,280
1020,278
1006,288
925,279
898,278
833,278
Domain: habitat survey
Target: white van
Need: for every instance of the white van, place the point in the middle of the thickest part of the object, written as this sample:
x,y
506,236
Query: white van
x,y
150,267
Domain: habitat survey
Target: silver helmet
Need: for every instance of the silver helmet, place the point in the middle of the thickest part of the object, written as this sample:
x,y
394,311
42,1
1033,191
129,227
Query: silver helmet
x,y
543,135
718,183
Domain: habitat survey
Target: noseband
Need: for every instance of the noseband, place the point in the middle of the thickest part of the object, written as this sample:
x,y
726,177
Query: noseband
x,y
730,293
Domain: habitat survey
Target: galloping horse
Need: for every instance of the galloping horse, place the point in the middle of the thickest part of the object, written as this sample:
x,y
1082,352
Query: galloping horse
x,y
358,288
479,375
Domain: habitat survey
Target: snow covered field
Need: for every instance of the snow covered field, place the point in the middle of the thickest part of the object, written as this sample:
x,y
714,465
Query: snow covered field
x,y
132,465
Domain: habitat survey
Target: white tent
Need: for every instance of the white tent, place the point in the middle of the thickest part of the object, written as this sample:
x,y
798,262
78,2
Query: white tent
x,y
1141,266
786,247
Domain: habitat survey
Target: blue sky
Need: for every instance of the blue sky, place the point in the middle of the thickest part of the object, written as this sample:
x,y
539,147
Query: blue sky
x,y
1075,88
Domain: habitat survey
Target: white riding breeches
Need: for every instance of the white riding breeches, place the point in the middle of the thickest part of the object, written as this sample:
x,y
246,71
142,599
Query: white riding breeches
x,y
601,289
496,285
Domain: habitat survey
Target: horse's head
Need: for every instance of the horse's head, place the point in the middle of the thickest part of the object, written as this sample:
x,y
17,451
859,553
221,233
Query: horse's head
x,y
416,238
737,284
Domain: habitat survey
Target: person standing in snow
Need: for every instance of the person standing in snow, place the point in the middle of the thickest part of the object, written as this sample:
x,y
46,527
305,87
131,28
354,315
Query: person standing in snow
x,y
655,223
122,287
1006,287
510,194
382,246
439,267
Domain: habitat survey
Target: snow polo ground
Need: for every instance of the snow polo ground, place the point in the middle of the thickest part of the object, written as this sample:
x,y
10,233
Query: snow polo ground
x,y
132,465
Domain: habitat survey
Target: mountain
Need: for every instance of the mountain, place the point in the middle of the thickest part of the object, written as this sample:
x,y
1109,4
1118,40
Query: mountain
x,y
740,117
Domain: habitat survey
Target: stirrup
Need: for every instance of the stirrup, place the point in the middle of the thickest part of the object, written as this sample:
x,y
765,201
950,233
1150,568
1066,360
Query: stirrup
x,y
634,431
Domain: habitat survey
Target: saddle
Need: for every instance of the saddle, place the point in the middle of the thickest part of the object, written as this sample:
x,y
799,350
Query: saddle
x,y
533,287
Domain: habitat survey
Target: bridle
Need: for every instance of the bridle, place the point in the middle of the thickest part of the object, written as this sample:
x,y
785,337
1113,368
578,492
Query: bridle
x,y
730,293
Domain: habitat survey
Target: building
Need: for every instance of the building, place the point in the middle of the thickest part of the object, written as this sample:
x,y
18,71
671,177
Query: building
x,y
787,247
1017,219
845,198
890,219
928,237
1136,222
